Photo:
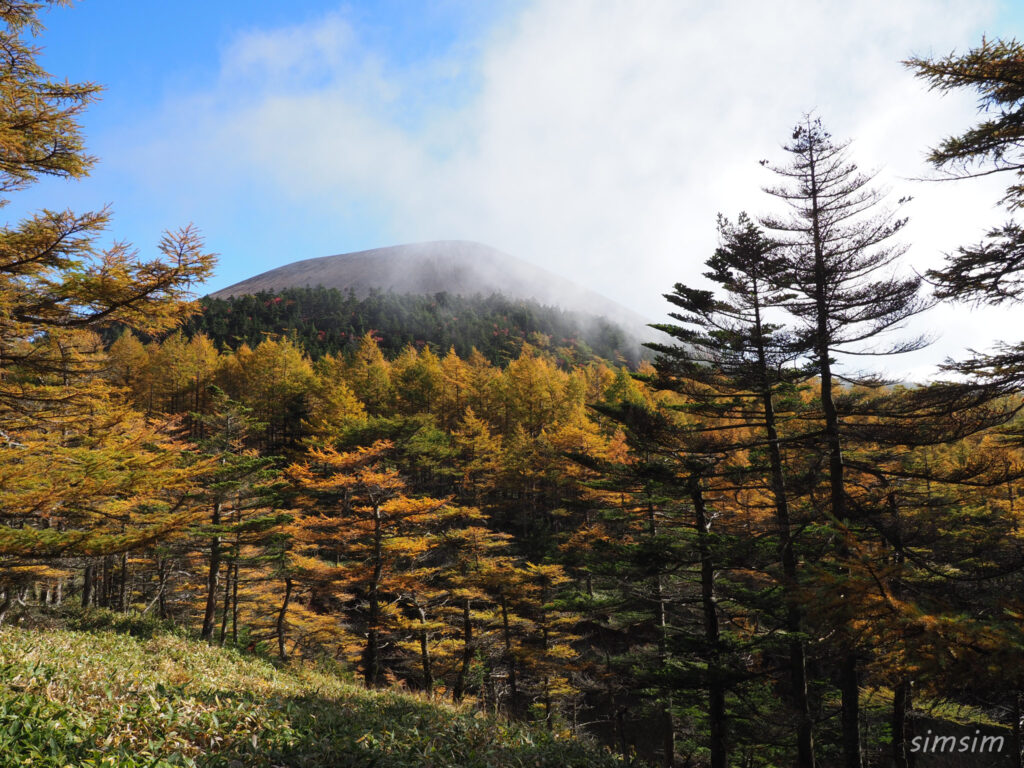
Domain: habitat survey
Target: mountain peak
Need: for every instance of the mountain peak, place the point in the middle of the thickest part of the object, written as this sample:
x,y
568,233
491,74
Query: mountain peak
x,y
460,267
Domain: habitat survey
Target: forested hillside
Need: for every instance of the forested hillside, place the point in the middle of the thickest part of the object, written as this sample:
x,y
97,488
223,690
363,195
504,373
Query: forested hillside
x,y
328,321
554,544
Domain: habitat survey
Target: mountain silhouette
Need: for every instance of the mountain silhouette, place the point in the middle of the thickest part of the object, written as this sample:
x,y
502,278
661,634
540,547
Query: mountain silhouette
x,y
457,267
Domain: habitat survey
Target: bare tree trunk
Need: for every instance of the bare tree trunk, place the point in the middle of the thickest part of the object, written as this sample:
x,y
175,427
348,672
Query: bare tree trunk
x,y
122,595
281,618
459,689
669,734
620,727
227,608
718,744
234,602
510,659
668,725
88,580
162,587
212,577
371,672
900,707
428,673
849,687
106,592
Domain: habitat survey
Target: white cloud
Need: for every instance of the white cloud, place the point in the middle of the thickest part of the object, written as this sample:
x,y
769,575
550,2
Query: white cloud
x,y
596,138
280,56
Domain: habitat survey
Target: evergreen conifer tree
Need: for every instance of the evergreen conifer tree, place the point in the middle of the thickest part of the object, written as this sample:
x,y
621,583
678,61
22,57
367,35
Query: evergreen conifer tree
x,y
840,256
991,271
737,368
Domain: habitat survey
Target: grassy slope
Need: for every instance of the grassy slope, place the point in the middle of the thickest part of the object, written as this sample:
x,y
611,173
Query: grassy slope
x,y
107,699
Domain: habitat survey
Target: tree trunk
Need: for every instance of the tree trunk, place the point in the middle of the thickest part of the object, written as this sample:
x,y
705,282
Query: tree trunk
x,y
371,672
100,589
668,734
668,725
513,690
849,687
425,662
1018,746
107,593
88,583
620,728
716,685
901,699
459,689
226,610
122,594
212,578
281,618
900,707
234,602
161,593
787,555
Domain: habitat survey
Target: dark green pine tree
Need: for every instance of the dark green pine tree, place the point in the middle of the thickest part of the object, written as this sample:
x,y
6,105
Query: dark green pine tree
x,y
240,480
991,271
838,244
735,367
995,71
655,554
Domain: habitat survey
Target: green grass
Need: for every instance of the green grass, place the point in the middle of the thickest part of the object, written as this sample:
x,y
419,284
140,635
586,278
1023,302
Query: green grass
x,y
100,698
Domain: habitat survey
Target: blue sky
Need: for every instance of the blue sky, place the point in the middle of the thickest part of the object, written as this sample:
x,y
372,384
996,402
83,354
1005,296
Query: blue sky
x,y
598,139
148,55
144,51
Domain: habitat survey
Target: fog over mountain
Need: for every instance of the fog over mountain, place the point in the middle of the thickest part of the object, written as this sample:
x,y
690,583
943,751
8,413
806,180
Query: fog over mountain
x,y
454,266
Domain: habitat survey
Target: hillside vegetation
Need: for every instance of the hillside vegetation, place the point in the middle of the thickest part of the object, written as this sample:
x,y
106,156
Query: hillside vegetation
x,y
102,698
456,267
328,321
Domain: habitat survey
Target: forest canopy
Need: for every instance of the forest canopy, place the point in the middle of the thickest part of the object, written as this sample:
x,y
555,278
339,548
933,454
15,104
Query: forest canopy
x,y
328,321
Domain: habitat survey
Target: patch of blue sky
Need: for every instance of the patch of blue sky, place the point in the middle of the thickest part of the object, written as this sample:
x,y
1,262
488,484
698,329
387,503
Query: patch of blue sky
x,y
145,52
1009,21
148,55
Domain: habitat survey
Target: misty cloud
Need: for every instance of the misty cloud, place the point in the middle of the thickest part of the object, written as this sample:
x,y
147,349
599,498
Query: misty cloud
x,y
598,140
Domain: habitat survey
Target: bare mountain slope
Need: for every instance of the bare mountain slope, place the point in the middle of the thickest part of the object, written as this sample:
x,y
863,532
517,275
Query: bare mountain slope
x,y
454,266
